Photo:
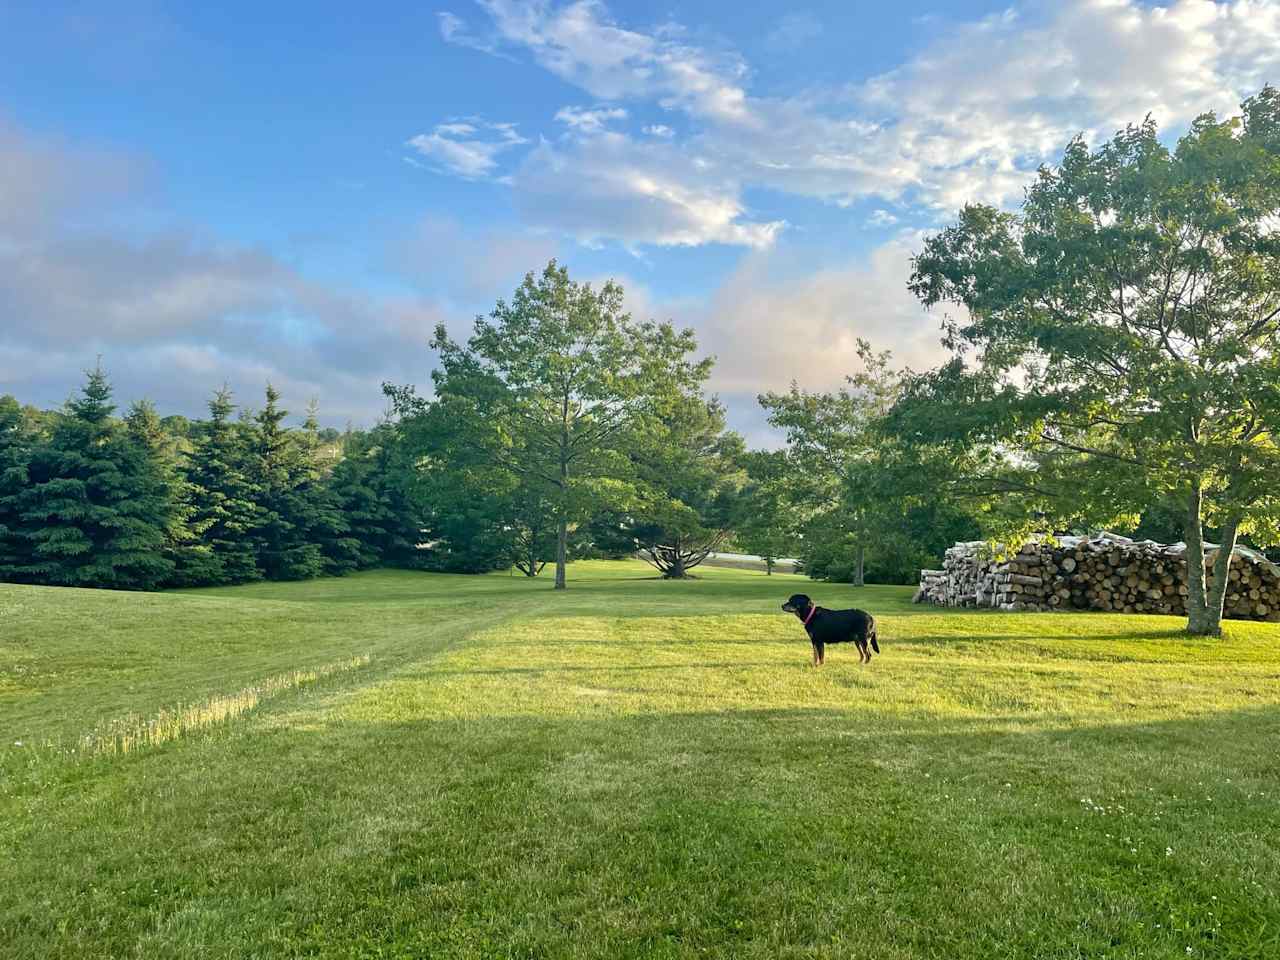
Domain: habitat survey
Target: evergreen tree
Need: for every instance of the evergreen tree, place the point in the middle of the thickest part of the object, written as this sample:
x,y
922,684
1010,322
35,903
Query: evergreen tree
x,y
398,537
223,512
14,455
278,470
322,520
354,487
193,561
96,503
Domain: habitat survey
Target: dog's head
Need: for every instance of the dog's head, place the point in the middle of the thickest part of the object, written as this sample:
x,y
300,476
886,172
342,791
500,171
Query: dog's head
x,y
797,603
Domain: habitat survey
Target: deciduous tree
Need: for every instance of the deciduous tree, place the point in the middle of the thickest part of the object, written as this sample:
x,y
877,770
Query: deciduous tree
x,y
558,383
1119,337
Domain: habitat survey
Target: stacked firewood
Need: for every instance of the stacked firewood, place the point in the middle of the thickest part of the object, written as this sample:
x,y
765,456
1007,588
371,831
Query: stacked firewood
x,y
1104,572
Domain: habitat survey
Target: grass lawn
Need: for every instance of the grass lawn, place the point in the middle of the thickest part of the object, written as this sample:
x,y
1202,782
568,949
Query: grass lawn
x,y
403,765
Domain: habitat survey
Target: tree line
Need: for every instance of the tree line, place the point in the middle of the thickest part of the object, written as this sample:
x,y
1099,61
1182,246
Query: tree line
x,y
90,499
1114,364
564,428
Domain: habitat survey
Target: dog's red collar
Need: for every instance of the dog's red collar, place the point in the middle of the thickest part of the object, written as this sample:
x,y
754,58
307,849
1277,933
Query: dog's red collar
x,y
813,608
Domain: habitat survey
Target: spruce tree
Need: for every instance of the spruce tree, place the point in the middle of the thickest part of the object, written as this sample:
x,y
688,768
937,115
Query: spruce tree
x,y
371,485
193,561
14,456
278,471
96,504
224,515
322,519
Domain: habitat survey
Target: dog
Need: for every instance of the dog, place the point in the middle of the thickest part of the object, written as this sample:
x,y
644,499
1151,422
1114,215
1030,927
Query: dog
x,y
834,626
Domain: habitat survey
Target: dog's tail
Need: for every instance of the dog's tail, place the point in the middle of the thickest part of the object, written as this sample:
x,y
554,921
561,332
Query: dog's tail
x,y
871,635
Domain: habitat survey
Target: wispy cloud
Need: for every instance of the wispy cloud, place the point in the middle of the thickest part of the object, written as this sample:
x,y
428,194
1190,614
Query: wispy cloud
x,y
468,148
174,312
589,121
934,132
609,186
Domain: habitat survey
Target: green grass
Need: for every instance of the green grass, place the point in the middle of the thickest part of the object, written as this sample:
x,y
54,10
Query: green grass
x,y
406,765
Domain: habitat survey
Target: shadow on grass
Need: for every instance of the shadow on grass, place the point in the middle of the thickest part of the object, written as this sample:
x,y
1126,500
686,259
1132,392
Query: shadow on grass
x,y
748,833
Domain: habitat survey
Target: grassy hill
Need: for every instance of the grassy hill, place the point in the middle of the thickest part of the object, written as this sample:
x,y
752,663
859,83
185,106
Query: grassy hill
x,y
409,765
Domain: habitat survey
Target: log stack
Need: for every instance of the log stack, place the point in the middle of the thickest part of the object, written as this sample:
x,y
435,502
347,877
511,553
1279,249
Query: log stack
x,y
1103,572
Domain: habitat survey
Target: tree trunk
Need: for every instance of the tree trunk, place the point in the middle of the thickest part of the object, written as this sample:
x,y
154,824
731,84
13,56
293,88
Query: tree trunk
x,y
768,566
675,568
1221,575
1193,533
859,574
562,527
533,558
562,551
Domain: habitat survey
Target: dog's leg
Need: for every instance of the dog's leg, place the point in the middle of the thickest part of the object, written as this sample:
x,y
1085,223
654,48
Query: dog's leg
x,y
822,654
815,654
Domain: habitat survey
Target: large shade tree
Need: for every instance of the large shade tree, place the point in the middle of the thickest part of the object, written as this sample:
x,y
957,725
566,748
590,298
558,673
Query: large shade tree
x,y
560,382
1118,342
687,493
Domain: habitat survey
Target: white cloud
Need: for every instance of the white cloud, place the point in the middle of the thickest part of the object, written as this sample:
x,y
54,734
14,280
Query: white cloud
x,y
174,313
772,322
882,218
580,43
589,121
608,186
467,148
967,118
659,130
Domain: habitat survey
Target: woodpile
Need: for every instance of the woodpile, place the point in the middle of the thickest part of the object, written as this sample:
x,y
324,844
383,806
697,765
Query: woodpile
x,y
1104,572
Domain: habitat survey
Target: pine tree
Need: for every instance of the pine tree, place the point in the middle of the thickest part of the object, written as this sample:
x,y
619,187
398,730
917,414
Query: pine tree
x,y
278,472
14,456
96,502
224,514
322,518
371,484
193,561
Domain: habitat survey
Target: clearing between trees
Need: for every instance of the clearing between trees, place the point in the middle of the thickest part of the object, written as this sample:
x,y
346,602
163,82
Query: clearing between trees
x,y
401,764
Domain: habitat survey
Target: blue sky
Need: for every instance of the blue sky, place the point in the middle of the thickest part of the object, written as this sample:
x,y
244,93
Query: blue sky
x,y
242,192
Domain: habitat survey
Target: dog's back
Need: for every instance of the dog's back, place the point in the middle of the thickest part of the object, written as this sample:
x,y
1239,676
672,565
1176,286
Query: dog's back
x,y
845,626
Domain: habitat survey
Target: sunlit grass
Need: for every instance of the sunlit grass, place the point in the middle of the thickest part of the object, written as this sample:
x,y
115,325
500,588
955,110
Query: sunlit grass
x,y
635,769
126,734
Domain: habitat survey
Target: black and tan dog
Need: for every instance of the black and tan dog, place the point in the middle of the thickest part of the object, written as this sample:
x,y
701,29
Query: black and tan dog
x,y
834,626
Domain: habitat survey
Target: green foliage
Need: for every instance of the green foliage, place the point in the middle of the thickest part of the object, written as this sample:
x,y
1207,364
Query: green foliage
x,y
96,507
86,499
765,525
220,499
544,402
372,484
687,481
1118,347
15,453
859,504
281,474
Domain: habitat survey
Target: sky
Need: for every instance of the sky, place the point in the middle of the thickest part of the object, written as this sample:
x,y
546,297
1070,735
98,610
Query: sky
x,y
238,193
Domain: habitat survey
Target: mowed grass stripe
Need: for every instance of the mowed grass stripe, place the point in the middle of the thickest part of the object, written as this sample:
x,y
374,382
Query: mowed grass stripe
x,y
582,779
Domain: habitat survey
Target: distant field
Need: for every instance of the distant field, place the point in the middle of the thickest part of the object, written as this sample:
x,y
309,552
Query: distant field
x,y
403,765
